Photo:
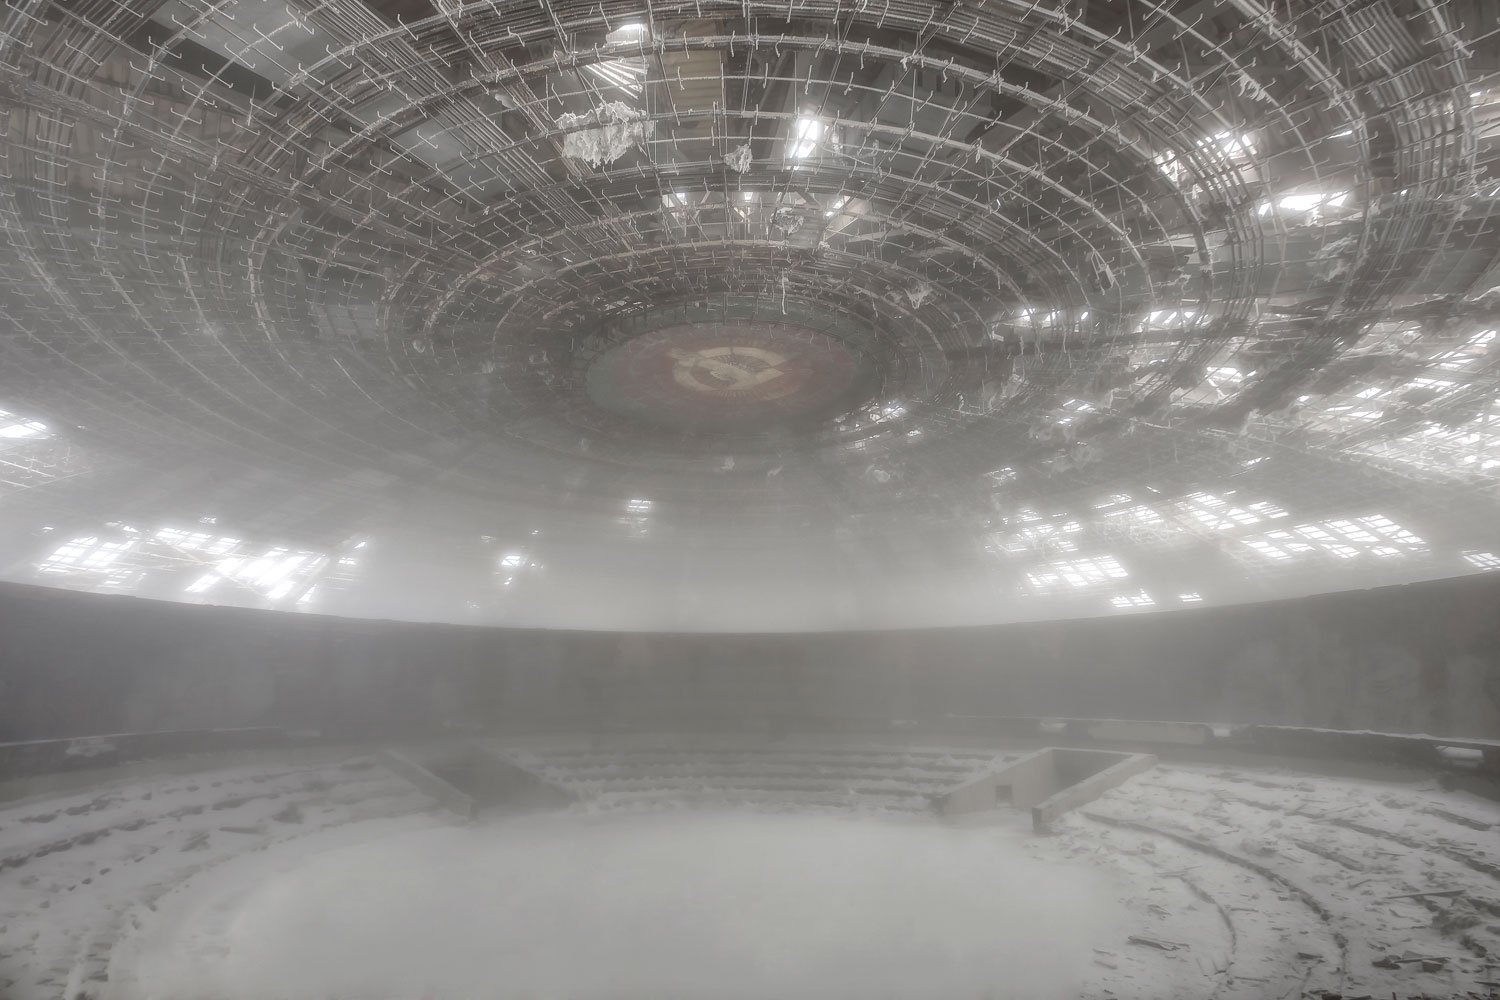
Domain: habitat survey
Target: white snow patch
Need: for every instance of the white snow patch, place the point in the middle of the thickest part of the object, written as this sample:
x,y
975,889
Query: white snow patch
x,y
722,905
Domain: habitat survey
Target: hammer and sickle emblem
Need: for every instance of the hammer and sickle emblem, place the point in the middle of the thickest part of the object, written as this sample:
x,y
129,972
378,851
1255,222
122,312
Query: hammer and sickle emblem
x,y
726,369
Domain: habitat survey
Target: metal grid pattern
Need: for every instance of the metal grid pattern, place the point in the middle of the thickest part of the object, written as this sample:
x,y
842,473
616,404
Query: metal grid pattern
x,y
1130,275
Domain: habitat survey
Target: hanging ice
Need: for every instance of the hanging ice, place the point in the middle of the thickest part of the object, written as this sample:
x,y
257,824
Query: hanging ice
x,y
739,158
617,128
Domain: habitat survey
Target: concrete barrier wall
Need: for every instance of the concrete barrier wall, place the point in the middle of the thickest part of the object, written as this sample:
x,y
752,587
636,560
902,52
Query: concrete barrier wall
x,y
1125,731
1049,782
1020,784
499,780
1089,788
1418,750
454,799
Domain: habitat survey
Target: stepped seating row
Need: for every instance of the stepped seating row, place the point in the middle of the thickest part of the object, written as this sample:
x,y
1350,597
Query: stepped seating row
x,y
763,776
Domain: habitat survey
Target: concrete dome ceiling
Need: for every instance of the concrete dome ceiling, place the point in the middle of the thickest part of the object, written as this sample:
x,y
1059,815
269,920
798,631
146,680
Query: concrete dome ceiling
x,y
740,315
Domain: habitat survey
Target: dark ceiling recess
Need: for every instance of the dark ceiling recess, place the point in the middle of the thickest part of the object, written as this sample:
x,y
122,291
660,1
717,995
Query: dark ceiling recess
x,y
747,315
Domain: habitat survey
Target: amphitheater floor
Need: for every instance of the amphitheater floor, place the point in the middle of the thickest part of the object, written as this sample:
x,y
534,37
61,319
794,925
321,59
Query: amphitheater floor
x,y
327,879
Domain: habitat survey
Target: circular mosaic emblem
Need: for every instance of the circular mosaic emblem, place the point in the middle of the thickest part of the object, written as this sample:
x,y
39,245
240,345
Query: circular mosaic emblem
x,y
730,374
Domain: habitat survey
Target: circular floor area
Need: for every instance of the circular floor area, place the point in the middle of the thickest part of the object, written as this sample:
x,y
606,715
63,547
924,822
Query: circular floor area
x,y
725,375
653,905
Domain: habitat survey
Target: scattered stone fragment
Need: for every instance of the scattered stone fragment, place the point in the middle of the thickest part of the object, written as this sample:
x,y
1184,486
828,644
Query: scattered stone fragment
x,y
1154,943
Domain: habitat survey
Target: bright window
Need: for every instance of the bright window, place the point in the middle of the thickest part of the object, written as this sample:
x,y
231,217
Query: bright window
x,y
1075,574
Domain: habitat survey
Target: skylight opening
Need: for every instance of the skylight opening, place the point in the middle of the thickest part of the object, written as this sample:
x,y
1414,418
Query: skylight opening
x,y
1342,538
1075,574
1218,514
203,584
1167,319
1141,514
1482,560
1477,346
271,573
1191,597
88,552
1278,545
1139,599
1235,148
279,591
628,75
1037,536
1311,203
807,132
15,428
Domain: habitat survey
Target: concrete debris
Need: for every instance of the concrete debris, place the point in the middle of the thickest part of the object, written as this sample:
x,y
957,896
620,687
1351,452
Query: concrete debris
x,y
1430,892
1335,259
739,158
1154,943
616,128
1429,963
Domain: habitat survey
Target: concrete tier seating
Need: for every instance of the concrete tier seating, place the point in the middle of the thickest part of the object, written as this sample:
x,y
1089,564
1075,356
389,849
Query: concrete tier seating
x,y
767,775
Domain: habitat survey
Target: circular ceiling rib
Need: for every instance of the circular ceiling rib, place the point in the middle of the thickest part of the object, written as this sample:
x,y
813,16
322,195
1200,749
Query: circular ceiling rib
x,y
746,315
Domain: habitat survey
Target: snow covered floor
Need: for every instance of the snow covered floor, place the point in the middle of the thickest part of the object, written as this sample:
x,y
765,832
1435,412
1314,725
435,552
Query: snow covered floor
x,y
78,870
1285,884
656,905
335,881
